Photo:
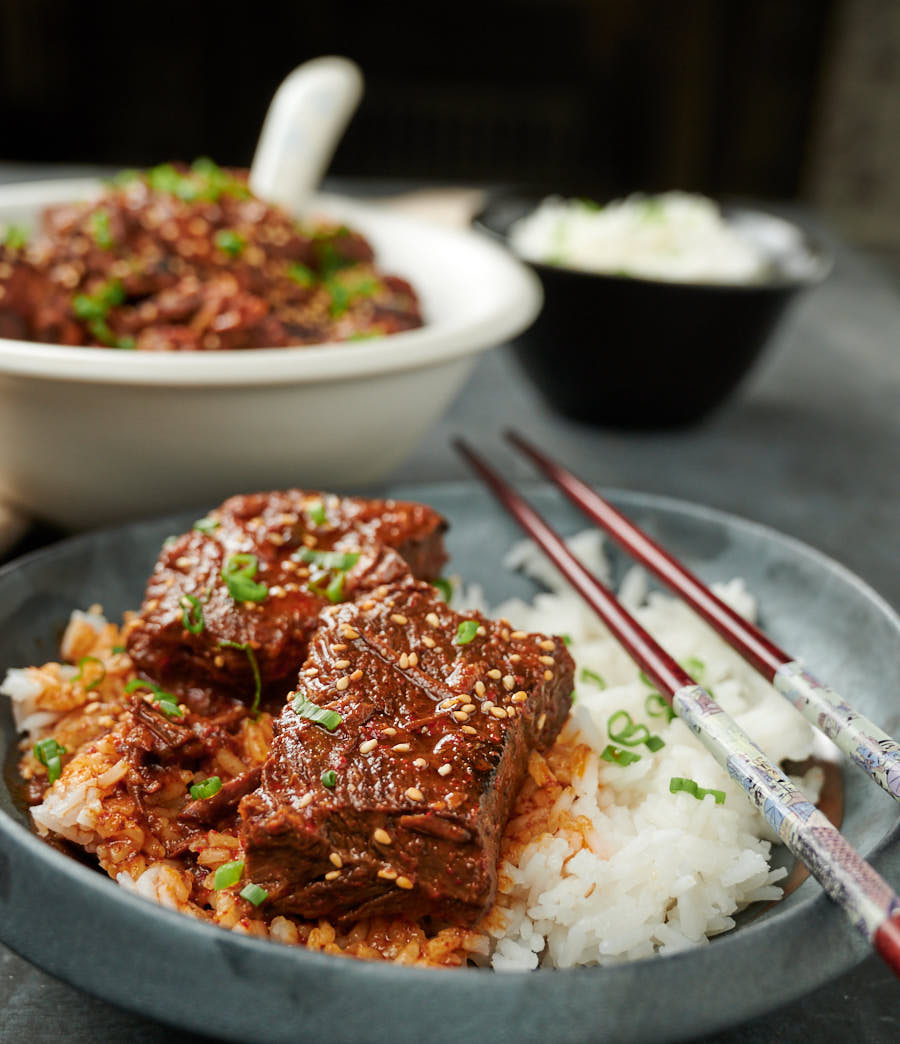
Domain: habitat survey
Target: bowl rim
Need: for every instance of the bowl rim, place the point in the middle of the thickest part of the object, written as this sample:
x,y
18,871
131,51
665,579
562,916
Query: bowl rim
x,y
516,304
812,246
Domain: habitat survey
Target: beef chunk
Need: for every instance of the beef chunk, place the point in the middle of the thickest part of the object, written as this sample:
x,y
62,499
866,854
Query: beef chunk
x,y
436,726
191,630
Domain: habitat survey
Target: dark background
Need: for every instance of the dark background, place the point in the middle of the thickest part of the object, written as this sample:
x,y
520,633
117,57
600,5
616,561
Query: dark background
x,y
601,97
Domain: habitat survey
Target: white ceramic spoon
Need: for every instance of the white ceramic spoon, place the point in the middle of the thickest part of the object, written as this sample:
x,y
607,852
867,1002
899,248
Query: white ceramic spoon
x,y
305,121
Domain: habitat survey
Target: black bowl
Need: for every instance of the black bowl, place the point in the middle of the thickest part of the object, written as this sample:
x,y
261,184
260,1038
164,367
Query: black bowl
x,y
630,352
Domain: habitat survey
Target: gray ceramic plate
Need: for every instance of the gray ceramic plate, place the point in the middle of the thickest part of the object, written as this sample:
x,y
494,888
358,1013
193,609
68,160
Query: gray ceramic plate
x,y
77,925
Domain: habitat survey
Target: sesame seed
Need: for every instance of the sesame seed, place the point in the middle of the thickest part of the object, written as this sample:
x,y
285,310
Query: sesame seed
x,y
467,708
356,675
413,659
510,712
404,882
460,715
445,769
514,658
184,562
342,683
367,745
309,540
277,591
305,800
368,605
403,662
432,618
414,794
275,538
518,634
399,618
401,748
548,644
548,675
509,682
547,661
468,729
152,605
332,875
382,836
504,634
541,721
219,661
389,731
388,874
498,712
486,706
519,697
336,860
342,665
420,763
481,632
495,674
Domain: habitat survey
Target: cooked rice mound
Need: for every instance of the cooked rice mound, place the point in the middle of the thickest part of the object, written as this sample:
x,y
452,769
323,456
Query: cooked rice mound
x,y
600,863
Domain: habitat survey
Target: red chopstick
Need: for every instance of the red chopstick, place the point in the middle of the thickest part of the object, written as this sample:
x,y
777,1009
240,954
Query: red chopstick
x,y
865,897
868,746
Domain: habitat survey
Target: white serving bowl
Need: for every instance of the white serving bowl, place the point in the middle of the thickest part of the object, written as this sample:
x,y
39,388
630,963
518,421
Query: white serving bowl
x,y
90,436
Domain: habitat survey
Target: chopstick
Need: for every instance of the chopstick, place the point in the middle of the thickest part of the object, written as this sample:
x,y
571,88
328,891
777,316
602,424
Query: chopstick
x,y
868,746
865,897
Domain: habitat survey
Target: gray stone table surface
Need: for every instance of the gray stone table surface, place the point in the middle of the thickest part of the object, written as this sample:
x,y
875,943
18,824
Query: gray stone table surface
x,y
811,446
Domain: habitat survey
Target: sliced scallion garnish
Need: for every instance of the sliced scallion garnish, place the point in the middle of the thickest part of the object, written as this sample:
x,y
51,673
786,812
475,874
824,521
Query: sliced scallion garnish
x,y
466,632
164,701
100,230
617,756
206,525
238,573
206,788
334,592
444,587
191,613
678,784
254,666
624,730
329,779
328,719
230,242
587,675
317,513
342,561
228,874
253,893
656,707
80,676
48,751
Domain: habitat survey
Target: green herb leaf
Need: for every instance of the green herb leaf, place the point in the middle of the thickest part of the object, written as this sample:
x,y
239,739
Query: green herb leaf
x,y
656,707
317,513
228,874
645,678
466,632
587,675
306,277
230,242
334,592
225,643
100,230
444,587
329,779
164,701
206,788
206,525
238,573
48,751
677,784
15,237
622,729
254,894
118,649
567,640
617,756
80,675
339,560
328,719
192,613
98,304
693,666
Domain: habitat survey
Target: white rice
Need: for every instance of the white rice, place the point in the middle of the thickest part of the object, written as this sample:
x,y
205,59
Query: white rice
x,y
668,870
674,236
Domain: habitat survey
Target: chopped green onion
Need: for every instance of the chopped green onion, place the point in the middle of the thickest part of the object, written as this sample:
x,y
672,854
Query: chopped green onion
x,y
329,779
164,701
228,874
230,242
328,719
444,587
15,237
645,678
617,756
48,751
254,894
118,649
301,274
693,666
466,632
334,592
100,231
238,573
690,786
364,335
567,639
317,513
206,525
587,675
656,706
80,675
169,541
123,178
340,560
191,613
98,304
630,734
206,788
254,666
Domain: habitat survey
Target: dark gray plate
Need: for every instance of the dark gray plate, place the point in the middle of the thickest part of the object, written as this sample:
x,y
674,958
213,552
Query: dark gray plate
x,y
78,925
